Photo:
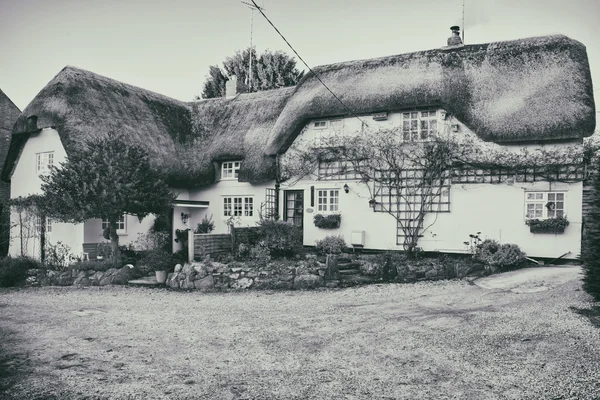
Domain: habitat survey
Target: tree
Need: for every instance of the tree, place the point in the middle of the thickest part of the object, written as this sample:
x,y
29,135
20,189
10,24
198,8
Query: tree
x,y
590,252
106,179
271,70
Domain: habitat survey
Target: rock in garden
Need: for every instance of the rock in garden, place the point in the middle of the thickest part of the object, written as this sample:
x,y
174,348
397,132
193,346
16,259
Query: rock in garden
x,y
178,268
121,277
243,283
205,283
308,281
263,283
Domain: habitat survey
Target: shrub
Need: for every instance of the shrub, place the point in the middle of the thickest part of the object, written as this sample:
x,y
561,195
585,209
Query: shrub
x,y
331,244
103,265
157,260
331,221
206,226
282,238
260,253
58,256
104,250
505,256
13,271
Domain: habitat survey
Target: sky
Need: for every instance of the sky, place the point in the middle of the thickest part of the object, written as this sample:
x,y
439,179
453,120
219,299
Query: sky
x,y
167,46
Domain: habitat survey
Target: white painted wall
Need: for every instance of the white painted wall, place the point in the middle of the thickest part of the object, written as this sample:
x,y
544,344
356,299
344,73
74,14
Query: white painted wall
x,y
214,194
25,181
133,228
496,210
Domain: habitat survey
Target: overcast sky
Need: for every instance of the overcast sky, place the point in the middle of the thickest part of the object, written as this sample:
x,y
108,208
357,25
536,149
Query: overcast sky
x,y
167,46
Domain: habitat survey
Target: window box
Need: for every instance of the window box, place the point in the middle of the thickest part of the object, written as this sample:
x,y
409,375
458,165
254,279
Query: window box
x,y
331,221
550,225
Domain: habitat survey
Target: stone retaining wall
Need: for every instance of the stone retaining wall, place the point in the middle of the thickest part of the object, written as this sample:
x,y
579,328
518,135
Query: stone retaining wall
x,y
112,276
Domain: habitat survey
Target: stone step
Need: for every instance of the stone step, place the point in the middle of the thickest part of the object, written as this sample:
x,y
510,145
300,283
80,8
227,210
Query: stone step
x,y
149,281
349,271
356,279
350,265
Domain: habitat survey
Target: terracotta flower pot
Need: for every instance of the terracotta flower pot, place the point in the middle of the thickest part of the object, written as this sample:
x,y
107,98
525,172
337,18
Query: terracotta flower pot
x,y
161,276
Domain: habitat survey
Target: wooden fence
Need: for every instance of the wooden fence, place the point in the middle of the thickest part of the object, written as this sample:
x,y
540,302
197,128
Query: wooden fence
x,y
201,245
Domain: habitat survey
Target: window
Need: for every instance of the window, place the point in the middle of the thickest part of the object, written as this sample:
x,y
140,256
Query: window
x,y
230,169
418,125
238,206
328,200
44,161
38,225
120,224
543,205
320,124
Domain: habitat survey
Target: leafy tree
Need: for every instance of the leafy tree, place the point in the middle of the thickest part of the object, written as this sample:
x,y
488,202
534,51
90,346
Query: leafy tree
x,y
590,252
106,179
270,70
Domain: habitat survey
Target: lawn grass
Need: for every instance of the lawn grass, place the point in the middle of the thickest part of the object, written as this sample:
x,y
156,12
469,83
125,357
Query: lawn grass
x,y
435,340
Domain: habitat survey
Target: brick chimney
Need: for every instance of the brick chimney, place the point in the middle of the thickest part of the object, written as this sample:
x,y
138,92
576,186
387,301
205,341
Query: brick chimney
x,y
231,87
455,40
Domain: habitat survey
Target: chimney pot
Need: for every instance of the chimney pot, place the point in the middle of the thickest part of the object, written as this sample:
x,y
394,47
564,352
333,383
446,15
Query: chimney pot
x,y
455,39
231,87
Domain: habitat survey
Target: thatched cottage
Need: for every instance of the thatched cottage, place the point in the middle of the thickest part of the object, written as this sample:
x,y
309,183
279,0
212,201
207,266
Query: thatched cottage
x,y
222,155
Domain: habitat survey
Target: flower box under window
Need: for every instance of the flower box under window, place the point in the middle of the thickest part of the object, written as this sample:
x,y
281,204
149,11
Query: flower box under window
x,y
331,221
550,225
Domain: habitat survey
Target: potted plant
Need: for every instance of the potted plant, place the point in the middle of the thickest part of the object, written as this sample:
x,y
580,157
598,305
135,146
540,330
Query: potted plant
x,y
159,261
206,226
550,225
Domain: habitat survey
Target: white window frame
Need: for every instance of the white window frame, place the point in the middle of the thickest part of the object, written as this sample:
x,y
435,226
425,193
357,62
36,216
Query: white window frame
x,y
328,201
230,170
121,225
418,127
238,206
320,124
43,162
38,224
540,200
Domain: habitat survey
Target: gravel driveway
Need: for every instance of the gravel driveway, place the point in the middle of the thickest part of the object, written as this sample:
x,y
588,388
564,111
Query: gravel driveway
x,y
434,340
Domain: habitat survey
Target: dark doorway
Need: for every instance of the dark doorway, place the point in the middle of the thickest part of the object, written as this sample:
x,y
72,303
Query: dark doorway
x,y
293,208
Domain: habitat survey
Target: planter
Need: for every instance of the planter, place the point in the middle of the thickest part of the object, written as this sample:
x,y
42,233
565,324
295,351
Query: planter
x,y
161,276
546,229
331,221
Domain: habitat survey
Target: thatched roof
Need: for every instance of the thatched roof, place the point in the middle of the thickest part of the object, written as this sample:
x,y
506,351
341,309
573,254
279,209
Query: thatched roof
x,y
524,90
533,89
81,105
9,113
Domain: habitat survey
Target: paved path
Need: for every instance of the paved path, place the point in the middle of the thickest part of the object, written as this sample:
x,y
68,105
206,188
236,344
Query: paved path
x,y
530,280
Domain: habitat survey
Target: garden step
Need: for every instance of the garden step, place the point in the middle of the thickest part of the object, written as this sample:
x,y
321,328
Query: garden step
x,y
353,271
149,281
350,265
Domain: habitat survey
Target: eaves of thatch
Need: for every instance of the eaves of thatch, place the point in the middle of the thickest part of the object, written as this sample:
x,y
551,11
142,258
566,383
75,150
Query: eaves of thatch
x,y
528,90
534,89
82,105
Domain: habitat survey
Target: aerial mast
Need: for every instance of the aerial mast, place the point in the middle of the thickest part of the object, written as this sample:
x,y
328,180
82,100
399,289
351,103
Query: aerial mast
x,y
252,8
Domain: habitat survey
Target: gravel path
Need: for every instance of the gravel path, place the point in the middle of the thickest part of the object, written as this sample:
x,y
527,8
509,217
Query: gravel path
x,y
433,340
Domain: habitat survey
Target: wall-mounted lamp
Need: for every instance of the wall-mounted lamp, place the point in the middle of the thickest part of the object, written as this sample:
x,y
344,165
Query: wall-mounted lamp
x,y
443,114
184,218
346,188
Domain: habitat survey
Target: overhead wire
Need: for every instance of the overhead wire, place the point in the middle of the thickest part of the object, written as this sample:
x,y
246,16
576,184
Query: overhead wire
x,y
307,66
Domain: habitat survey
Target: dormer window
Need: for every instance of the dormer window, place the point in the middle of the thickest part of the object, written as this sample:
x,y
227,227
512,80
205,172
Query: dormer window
x,y
320,124
44,161
230,170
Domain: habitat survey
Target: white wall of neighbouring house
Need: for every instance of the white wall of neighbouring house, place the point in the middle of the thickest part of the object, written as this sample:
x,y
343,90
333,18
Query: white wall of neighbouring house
x,y
498,211
215,194
25,181
133,228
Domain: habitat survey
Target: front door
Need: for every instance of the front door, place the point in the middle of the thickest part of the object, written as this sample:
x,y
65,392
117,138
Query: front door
x,y
294,207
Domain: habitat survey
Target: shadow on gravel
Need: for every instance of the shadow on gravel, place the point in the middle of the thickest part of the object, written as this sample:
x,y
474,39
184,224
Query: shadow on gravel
x,y
593,314
13,365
